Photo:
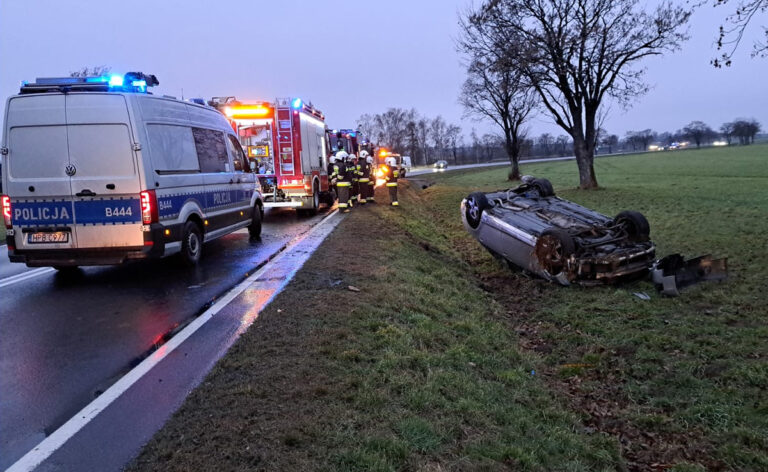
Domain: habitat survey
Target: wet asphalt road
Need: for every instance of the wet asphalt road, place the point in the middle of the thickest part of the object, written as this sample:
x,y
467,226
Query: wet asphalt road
x,y
66,339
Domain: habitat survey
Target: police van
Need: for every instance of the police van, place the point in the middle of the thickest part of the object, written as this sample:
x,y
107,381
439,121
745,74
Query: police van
x,y
96,171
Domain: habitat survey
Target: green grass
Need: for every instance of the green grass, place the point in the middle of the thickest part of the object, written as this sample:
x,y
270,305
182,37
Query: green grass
x,y
690,367
445,360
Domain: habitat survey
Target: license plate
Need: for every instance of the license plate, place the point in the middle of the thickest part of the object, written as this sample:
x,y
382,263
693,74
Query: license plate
x,y
48,237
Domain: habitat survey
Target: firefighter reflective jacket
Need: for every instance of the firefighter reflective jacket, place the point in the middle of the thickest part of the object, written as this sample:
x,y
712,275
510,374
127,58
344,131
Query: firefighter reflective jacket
x,y
364,171
340,175
391,176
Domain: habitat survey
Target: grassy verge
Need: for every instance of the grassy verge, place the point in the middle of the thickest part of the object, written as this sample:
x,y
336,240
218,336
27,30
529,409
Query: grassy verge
x,y
417,371
431,365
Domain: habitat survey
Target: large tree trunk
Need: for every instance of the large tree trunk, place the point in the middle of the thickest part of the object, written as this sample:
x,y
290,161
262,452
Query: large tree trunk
x,y
585,156
513,152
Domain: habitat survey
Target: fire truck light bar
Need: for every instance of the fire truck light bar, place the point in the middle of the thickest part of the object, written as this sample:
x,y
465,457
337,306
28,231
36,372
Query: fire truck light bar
x,y
247,111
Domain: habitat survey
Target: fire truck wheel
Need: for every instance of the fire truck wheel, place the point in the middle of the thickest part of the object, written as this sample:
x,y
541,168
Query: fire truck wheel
x,y
254,229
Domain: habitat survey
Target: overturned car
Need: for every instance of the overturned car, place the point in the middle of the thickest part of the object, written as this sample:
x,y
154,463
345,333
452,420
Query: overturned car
x,y
529,227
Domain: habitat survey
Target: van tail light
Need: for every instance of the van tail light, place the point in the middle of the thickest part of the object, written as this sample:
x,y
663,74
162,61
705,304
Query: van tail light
x,y
6,210
148,207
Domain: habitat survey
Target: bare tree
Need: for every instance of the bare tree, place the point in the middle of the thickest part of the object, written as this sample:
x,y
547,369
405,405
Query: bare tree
x,y
735,24
746,130
698,131
610,140
437,132
495,91
96,71
545,143
578,53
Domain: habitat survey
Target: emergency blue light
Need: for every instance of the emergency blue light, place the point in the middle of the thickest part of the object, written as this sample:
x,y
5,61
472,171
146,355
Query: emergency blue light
x,y
297,103
115,80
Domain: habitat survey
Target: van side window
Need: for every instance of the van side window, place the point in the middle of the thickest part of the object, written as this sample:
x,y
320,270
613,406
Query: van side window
x,y
211,150
238,156
173,149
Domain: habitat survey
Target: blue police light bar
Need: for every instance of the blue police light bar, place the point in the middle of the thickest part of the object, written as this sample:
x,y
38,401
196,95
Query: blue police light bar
x,y
129,82
296,103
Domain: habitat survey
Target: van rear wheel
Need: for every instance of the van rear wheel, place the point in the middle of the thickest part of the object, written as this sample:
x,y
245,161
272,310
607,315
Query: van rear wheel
x,y
191,244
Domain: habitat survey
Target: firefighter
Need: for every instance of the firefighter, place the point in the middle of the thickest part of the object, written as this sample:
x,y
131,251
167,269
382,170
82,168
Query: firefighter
x,y
372,183
391,177
341,179
331,178
355,189
364,177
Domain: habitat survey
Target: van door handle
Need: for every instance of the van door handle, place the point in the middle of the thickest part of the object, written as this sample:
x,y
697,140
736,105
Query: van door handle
x,y
110,186
86,193
231,181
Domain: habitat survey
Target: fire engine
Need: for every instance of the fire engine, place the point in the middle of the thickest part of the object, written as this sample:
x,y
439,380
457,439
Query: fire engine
x,y
287,148
352,141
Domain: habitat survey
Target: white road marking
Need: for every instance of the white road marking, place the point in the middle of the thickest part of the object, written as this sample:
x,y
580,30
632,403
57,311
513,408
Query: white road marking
x,y
58,438
25,276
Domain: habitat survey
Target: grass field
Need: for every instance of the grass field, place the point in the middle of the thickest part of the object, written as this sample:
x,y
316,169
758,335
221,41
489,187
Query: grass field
x,y
445,360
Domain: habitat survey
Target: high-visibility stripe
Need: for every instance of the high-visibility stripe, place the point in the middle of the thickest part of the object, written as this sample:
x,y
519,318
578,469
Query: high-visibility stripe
x,y
363,200
391,184
344,184
395,204
343,205
364,180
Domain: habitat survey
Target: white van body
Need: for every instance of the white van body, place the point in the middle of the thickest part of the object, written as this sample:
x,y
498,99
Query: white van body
x,y
102,177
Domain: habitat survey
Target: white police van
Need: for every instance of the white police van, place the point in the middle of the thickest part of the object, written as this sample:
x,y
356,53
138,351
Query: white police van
x,y
98,171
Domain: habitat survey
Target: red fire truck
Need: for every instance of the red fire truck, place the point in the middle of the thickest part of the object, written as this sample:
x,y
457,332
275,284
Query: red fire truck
x,y
352,141
286,144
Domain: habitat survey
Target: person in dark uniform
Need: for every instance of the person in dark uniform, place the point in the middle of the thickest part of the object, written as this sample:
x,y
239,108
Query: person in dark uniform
x,y
331,179
372,183
340,175
364,177
355,189
391,177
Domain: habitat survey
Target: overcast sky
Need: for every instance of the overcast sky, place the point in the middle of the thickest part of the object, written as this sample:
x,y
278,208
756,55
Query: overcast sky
x,y
347,57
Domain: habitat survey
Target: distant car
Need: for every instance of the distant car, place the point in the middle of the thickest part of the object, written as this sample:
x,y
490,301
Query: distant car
x,y
561,241
441,165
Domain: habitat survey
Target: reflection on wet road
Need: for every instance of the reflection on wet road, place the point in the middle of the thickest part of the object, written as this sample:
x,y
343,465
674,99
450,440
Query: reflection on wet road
x,y
67,339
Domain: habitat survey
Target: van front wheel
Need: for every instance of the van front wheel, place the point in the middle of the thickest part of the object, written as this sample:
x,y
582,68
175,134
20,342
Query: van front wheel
x,y
254,229
191,244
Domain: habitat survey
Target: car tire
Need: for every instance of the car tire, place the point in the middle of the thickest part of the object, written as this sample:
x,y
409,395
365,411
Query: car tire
x,y
553,248
254,229
544,187
476,203
191,244
637,226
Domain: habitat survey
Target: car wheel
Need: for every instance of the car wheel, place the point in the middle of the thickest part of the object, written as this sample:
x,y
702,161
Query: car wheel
x,y
191,244
636,225
553,249
544,187
254,229
476,203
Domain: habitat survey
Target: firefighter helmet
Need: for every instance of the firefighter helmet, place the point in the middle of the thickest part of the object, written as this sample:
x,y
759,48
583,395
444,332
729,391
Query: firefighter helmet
x,y
390,161
369,160
352,157
332,159
341,155
363,153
